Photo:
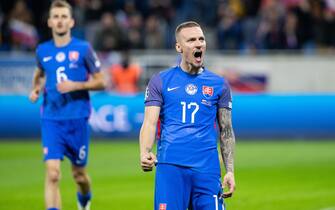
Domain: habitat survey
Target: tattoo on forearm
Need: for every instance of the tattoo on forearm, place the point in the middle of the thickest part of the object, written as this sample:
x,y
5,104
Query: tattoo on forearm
x,y
147,149
227,139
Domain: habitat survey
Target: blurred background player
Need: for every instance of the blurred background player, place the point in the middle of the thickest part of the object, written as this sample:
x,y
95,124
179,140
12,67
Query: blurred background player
x,y
66,64
188,99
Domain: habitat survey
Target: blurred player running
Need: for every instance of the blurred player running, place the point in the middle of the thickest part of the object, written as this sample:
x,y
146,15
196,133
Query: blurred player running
x,y
70,68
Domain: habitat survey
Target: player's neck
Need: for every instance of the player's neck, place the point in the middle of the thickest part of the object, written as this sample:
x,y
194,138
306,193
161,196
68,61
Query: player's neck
x,y
188,68
61,41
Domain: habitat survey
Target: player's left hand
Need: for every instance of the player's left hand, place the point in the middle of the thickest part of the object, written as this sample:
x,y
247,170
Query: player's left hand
x,y
229,181
68,86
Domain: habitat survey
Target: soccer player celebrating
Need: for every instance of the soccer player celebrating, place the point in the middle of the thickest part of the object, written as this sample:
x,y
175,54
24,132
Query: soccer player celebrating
x,y
70,68
189,100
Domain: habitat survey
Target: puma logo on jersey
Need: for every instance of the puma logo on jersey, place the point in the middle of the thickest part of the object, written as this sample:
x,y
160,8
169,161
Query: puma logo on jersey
x,y
170,89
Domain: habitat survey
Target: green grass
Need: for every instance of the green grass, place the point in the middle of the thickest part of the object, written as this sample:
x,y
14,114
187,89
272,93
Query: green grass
x,y
298,175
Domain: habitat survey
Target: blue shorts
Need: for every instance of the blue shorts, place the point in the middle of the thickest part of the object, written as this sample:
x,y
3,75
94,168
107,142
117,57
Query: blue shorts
x,y
183,188
66,137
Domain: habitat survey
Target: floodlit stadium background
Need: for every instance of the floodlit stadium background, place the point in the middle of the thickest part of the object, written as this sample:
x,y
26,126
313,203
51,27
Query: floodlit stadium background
x,y
283,92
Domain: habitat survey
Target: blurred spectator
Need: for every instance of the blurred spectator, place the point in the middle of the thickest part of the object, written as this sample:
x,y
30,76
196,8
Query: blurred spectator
x,y
229,32
244,25
2,43
123,14
136,31
94,9
250,23
163,9
21,12
79,16
23,34
110,36
318,25
130,7
329,18
168,12
125,76
270,30
154,36
305,21
291,32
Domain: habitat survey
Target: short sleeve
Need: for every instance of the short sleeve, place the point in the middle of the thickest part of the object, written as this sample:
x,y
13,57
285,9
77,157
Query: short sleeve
x,y
225,100
38,59
91,60
153,93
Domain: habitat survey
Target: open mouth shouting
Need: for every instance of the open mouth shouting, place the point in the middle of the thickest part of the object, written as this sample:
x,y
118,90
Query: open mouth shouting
x,y
198,56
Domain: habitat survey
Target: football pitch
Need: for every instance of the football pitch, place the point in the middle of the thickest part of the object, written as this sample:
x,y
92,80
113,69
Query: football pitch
x,y
270,175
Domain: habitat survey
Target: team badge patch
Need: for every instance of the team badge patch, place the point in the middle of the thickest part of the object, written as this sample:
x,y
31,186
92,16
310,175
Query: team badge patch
x,y
191,89
207,91
162,206
60,57
73,56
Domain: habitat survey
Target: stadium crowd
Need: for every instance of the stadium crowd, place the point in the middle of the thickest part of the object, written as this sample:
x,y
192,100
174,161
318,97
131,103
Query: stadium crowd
x,y
240,25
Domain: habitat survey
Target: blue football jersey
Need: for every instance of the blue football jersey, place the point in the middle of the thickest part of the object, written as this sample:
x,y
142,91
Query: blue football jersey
x,y
189,105
75,62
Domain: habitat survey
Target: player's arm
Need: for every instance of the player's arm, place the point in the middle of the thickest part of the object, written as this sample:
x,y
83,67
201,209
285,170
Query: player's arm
x,y
37,82
227,147
147,137
96,82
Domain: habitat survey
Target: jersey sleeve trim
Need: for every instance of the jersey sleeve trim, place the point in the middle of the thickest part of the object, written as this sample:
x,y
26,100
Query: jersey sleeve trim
x,y
225,99
91,60
153,93
38,59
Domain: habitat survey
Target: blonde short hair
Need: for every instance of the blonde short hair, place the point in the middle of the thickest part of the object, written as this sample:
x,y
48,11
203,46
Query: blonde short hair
x,y
188,24
60,4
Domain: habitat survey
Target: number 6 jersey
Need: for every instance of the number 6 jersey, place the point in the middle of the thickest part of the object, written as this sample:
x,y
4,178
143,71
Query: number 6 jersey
x,y
189,105
74,61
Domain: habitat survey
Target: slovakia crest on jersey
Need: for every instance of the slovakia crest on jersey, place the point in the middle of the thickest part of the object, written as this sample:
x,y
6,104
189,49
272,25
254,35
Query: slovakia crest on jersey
x,y
73,56
191,89
207,91
162,206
